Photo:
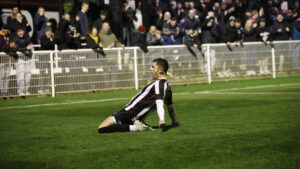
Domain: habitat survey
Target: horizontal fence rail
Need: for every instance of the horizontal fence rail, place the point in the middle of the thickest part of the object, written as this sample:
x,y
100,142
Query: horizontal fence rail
x,y
84,70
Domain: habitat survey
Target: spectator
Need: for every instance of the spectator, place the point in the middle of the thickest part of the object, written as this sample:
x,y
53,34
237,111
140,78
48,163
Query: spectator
x,y
263,32
163,20
210,30
40,23
93,40
250,33
180,14
139,38
154,37
190,22
192,38
63,27
280,29
296,34
107,38
128,16
24,62
168,40
47,40
176,30
20,22
5,38
230,33
5,61
239,29
10,19
83,20
101,19
72,38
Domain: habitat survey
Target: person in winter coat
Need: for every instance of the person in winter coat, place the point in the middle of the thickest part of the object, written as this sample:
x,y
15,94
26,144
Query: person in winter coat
x,y
107,38
47,40
168,38
249,31
154,37
280,30
24,62
230,33
139,38
128,16
83,19
40,23
20,22
176,30
296,31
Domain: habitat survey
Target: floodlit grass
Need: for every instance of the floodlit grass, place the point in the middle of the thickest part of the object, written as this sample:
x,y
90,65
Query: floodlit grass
x,y
218,131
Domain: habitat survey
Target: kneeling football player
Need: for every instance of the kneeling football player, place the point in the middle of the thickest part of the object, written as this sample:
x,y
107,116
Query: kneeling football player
x,y
151,97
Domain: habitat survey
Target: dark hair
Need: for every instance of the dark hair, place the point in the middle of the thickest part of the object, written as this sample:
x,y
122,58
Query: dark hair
x,y
162,63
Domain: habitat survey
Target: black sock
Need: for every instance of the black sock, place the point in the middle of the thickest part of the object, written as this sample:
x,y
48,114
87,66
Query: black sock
x,y
114,128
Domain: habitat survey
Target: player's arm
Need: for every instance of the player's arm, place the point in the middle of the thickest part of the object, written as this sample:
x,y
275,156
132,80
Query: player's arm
x,y
160,112
172,114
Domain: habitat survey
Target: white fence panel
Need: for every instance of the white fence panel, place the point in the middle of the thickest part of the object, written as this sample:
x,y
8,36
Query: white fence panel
x,y
84,70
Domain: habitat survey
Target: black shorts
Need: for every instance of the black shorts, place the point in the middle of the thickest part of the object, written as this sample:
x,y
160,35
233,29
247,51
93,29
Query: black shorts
x,y
123,117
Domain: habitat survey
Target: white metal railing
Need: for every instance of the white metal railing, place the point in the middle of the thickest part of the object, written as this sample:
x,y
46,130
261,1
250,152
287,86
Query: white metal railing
x,y
55,72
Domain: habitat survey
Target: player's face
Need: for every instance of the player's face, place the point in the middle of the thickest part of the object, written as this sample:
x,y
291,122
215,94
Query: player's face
x,y
155,70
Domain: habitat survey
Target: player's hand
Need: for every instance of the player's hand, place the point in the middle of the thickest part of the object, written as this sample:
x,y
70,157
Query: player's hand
x,y
161,123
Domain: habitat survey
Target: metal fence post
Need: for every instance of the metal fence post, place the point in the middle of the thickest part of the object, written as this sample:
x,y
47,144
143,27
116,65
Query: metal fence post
x,y
52,75
273,63
136,78
208,64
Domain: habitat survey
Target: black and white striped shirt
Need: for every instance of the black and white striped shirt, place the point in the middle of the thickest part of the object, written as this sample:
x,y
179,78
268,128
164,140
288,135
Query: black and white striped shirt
x,y
144,102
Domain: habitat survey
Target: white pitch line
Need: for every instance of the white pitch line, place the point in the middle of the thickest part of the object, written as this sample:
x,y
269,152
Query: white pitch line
x,y
64,103
244,88
183,93
252,93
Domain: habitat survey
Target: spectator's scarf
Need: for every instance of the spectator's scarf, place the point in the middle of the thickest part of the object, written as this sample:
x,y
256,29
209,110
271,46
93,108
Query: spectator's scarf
x,y
95,38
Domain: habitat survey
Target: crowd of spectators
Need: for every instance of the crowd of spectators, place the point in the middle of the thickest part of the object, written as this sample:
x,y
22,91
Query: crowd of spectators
x,y
171,22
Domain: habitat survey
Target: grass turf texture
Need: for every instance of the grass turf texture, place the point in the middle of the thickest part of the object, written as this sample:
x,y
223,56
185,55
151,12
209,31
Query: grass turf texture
x,y
218,131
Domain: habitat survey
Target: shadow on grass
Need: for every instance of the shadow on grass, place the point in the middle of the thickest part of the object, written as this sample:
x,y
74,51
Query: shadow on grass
x,y
165,127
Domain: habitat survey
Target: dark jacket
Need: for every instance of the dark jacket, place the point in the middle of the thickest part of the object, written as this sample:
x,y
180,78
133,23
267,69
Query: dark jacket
x,y
22,43
230,34
84,23
128,17
139,40
283,35
296,32
15,25
264,34
98,23
47,43
71,42
190,23
10,23
5,40
210,34
176,36
91,43
250,36
40,25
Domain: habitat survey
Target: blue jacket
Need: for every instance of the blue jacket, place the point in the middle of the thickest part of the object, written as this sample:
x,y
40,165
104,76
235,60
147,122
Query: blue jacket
x,y
296,34
40,25
191,23
283,35
169,41
84,23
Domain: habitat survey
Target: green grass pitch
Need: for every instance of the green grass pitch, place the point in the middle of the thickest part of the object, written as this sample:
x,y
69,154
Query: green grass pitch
x,y
237,125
